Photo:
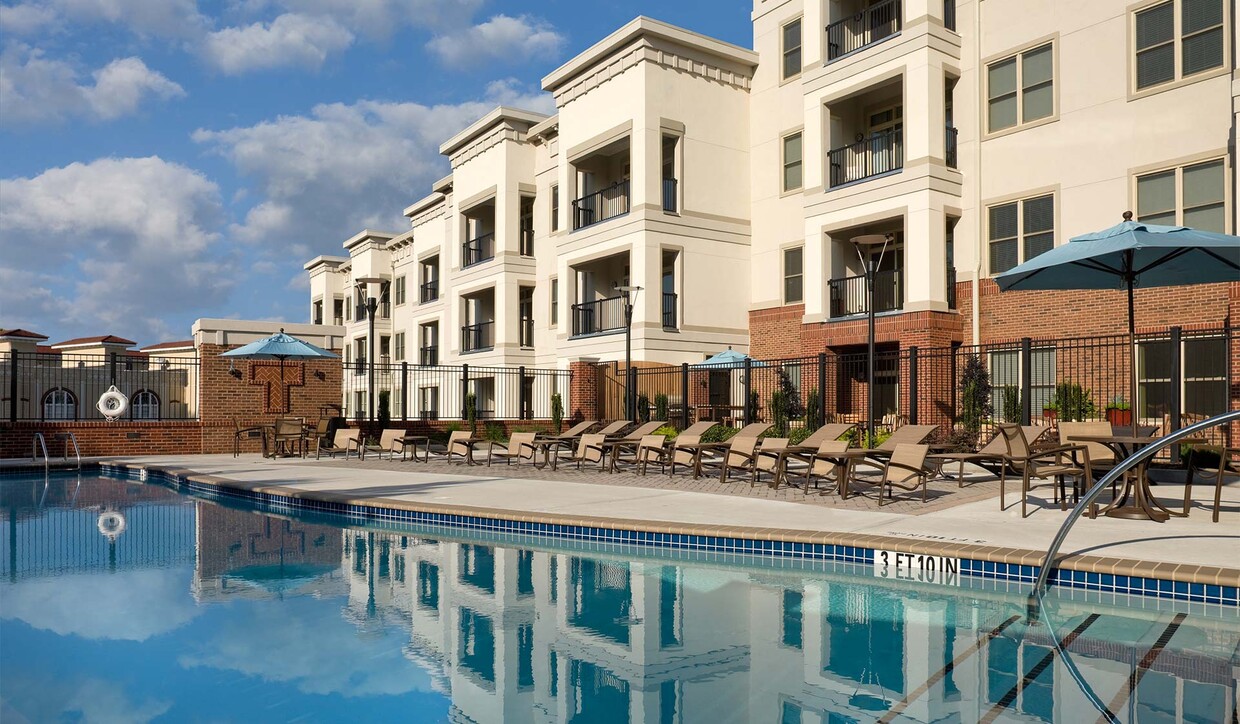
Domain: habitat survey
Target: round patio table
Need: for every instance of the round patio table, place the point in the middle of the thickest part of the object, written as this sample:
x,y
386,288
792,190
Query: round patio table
x,y
1136,501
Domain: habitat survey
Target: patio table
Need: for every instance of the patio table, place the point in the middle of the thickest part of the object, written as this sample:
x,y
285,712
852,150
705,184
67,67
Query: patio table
x,y
408,441
1136,501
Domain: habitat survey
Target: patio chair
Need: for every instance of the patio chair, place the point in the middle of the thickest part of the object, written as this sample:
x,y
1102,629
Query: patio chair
x,y
1228,464
1054,464
692,435
388,443
520,447
745,441
825,464
631,441
652,447
247,432
830,431
906,435
460,442
905,469
345,442
289,436
991,457
571,433
589,450
1101,457
766,459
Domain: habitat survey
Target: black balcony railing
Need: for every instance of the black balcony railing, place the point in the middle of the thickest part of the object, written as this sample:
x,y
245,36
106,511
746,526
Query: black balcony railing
x,y
601,205
863,28
477,337
949,14
527,331
428,291
478,249
949,153
527,242
669,310
360,369
951,286
603,316
882,152
848,295
669,194
428,356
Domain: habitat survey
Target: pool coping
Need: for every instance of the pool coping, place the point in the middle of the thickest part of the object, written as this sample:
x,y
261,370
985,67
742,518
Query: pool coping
x,y
1180,581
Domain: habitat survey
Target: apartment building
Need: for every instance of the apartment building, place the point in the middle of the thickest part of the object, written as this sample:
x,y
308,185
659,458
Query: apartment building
x,y
730,185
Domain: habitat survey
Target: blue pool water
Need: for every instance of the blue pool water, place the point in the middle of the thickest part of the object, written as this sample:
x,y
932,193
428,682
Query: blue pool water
x,y
127,601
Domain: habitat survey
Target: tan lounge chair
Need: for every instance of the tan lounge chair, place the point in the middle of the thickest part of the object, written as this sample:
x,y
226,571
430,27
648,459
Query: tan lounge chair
x,y
827,464
346,441
520,447
692,435
905,469
388,443
589,450
630,442
765,459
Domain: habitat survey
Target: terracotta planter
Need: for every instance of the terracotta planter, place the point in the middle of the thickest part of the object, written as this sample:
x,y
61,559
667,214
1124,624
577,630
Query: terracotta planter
x,y
1050,415
1119,418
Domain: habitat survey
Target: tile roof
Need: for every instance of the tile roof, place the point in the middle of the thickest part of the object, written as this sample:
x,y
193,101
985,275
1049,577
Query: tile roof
x,y
21,333
169,345
105,339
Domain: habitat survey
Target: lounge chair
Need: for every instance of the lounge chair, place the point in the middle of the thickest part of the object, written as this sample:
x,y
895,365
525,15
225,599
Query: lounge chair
x,y
991,457
765,459
653,447
692,435
346,441
589,450
460,442
571,433
830,431
388,443
1054,464
905,469
826,463
520,447
1228,464
630,442
906,435
732,452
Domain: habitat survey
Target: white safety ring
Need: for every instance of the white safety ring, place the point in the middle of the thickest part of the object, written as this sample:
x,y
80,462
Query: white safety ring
x,y
113,403
111,524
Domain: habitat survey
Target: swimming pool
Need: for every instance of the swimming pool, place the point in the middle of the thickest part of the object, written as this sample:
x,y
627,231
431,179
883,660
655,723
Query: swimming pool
x,y
129,601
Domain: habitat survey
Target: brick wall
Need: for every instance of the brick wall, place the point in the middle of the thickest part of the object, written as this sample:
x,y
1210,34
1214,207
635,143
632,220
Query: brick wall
x,y
583,391
106,438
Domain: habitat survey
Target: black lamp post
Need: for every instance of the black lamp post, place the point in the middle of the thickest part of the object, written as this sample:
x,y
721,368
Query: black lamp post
x,y
630,398
372,304
866,242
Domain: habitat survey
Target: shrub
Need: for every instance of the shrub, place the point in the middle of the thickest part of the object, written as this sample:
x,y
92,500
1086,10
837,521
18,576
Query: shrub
x,y
1072,402
557,413
667,431
1118,403
753,405
975,404
471,412
859,437
660,406
785,405
1010,394
385,411
493,431
813,403
719,433
643,408
797,435
961,441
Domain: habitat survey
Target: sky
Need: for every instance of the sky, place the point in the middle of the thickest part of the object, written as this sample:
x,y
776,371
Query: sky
x,y
168,160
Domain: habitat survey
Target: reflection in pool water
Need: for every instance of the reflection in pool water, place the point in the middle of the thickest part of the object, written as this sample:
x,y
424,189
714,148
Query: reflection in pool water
x,y
198,611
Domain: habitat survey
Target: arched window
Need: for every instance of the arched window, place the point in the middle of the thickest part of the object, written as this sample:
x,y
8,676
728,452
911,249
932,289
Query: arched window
x,y
144,406
59,404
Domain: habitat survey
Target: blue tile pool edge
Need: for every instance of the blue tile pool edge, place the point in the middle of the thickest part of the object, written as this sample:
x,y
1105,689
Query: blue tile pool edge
x,y
1227,596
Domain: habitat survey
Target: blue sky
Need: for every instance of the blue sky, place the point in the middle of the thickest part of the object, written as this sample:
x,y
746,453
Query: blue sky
x,y
165,160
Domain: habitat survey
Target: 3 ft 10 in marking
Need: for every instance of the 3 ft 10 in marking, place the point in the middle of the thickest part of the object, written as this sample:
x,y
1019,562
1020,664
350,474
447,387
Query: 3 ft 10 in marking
x,y
917,567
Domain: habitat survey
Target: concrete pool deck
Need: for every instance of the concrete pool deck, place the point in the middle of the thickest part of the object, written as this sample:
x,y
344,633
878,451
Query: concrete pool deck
x,y
1191,549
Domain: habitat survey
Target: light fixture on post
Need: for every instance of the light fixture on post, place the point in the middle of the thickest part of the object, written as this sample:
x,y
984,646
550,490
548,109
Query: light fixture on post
x,y
630,380
372,304
864,245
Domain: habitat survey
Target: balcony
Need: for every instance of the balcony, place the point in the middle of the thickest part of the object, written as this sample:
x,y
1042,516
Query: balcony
x,y
669,310
428,356
950,149
428,291
602,316
848,294
477,337
478,249
338,320
863,28
602,205
669,195
881,153
526,326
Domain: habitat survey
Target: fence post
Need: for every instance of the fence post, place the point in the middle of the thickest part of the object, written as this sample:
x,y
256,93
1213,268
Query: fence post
x,y
464,388
520,392
954,380
112,367
630,386
13,367
404,391
748,382
684,394
822,389
912,385
1177,380
1026,380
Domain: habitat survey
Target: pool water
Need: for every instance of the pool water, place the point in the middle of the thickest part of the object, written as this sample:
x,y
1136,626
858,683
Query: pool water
x,y
127,601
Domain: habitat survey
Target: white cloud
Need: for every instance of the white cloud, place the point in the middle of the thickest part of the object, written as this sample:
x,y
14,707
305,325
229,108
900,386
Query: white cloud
x,y
322,177
37,89
135,239
146,18
25,18
381,18
502,38
288,41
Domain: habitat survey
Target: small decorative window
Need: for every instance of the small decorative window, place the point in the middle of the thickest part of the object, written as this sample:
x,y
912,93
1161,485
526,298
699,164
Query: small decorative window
x,y
59,404
792,48
144,405
555,207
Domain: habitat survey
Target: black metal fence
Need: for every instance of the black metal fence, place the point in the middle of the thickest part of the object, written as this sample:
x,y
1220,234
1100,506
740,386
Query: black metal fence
x,y
478,249
848,294
42,386
601,205
880,153
1183,376
417,392
598,317
952,147
865,27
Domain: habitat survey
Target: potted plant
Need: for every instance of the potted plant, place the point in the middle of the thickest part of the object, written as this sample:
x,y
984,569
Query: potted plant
x,y
1050,411
1119,412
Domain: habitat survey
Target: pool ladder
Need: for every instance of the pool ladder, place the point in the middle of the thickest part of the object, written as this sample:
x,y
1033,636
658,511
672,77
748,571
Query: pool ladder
x,y
39,445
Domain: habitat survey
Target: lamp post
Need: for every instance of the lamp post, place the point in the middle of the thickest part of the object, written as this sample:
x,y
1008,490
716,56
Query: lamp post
x,y
372,305
864,244
630,398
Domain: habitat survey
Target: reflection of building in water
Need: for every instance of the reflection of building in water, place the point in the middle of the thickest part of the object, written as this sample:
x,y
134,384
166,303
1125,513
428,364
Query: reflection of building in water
x,y
242,553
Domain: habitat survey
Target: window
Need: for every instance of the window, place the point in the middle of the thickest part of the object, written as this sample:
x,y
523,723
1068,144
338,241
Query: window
x,y
1020,89
398,351
429,400
555,301
792,162
400,290
428,353
792,48
1020,230
1188,195
144,405
348,309
668,152
429,290
525,313
1200,40
1006,382
385,346
793,275
360,346
59,404
385,300
1203,389
337,311
555,207
316,314
527,226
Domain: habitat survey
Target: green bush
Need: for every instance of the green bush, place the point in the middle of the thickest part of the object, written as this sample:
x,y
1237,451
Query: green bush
x,y
660,406
1010,394
859,438
785,405
667,431
975,404
471,412
813,403
385,410
753,405
720,433
493,431
557,413
797,435
643,408
1072,403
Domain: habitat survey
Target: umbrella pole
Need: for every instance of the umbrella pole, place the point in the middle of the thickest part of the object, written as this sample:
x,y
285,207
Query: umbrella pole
x,y
1132,342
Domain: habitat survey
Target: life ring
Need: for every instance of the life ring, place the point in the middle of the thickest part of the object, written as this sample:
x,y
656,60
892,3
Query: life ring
x,y
111,524
113,403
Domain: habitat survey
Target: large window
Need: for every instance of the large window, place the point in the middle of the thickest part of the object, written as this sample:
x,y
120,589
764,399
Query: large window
x,y
1203,389
527,226
555,301
144,405
1020,89
1172,45
400,290
398,347
555,207
792,48
794,277
59,404
1189,196
1005,380
1020,230
792,162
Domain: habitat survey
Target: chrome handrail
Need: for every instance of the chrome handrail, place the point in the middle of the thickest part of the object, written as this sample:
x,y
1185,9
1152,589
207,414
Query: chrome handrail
x,y
35,445
77,452
1113,475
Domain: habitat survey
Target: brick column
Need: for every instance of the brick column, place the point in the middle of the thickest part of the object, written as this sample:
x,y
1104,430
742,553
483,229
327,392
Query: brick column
x,y
582,402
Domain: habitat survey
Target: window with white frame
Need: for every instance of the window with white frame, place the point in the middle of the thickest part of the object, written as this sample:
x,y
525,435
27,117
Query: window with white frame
x,y
1020,230
1192,195
1020,89
555,207
791,38
1006,380
791,160
144,405
59,404
555,301
428,400
400,290
1203,387
398,347
794,277
1178,39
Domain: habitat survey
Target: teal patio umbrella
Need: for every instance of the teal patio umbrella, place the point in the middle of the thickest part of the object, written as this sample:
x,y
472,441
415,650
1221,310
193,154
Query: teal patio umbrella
x,y
1126,256
280,346
728,358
